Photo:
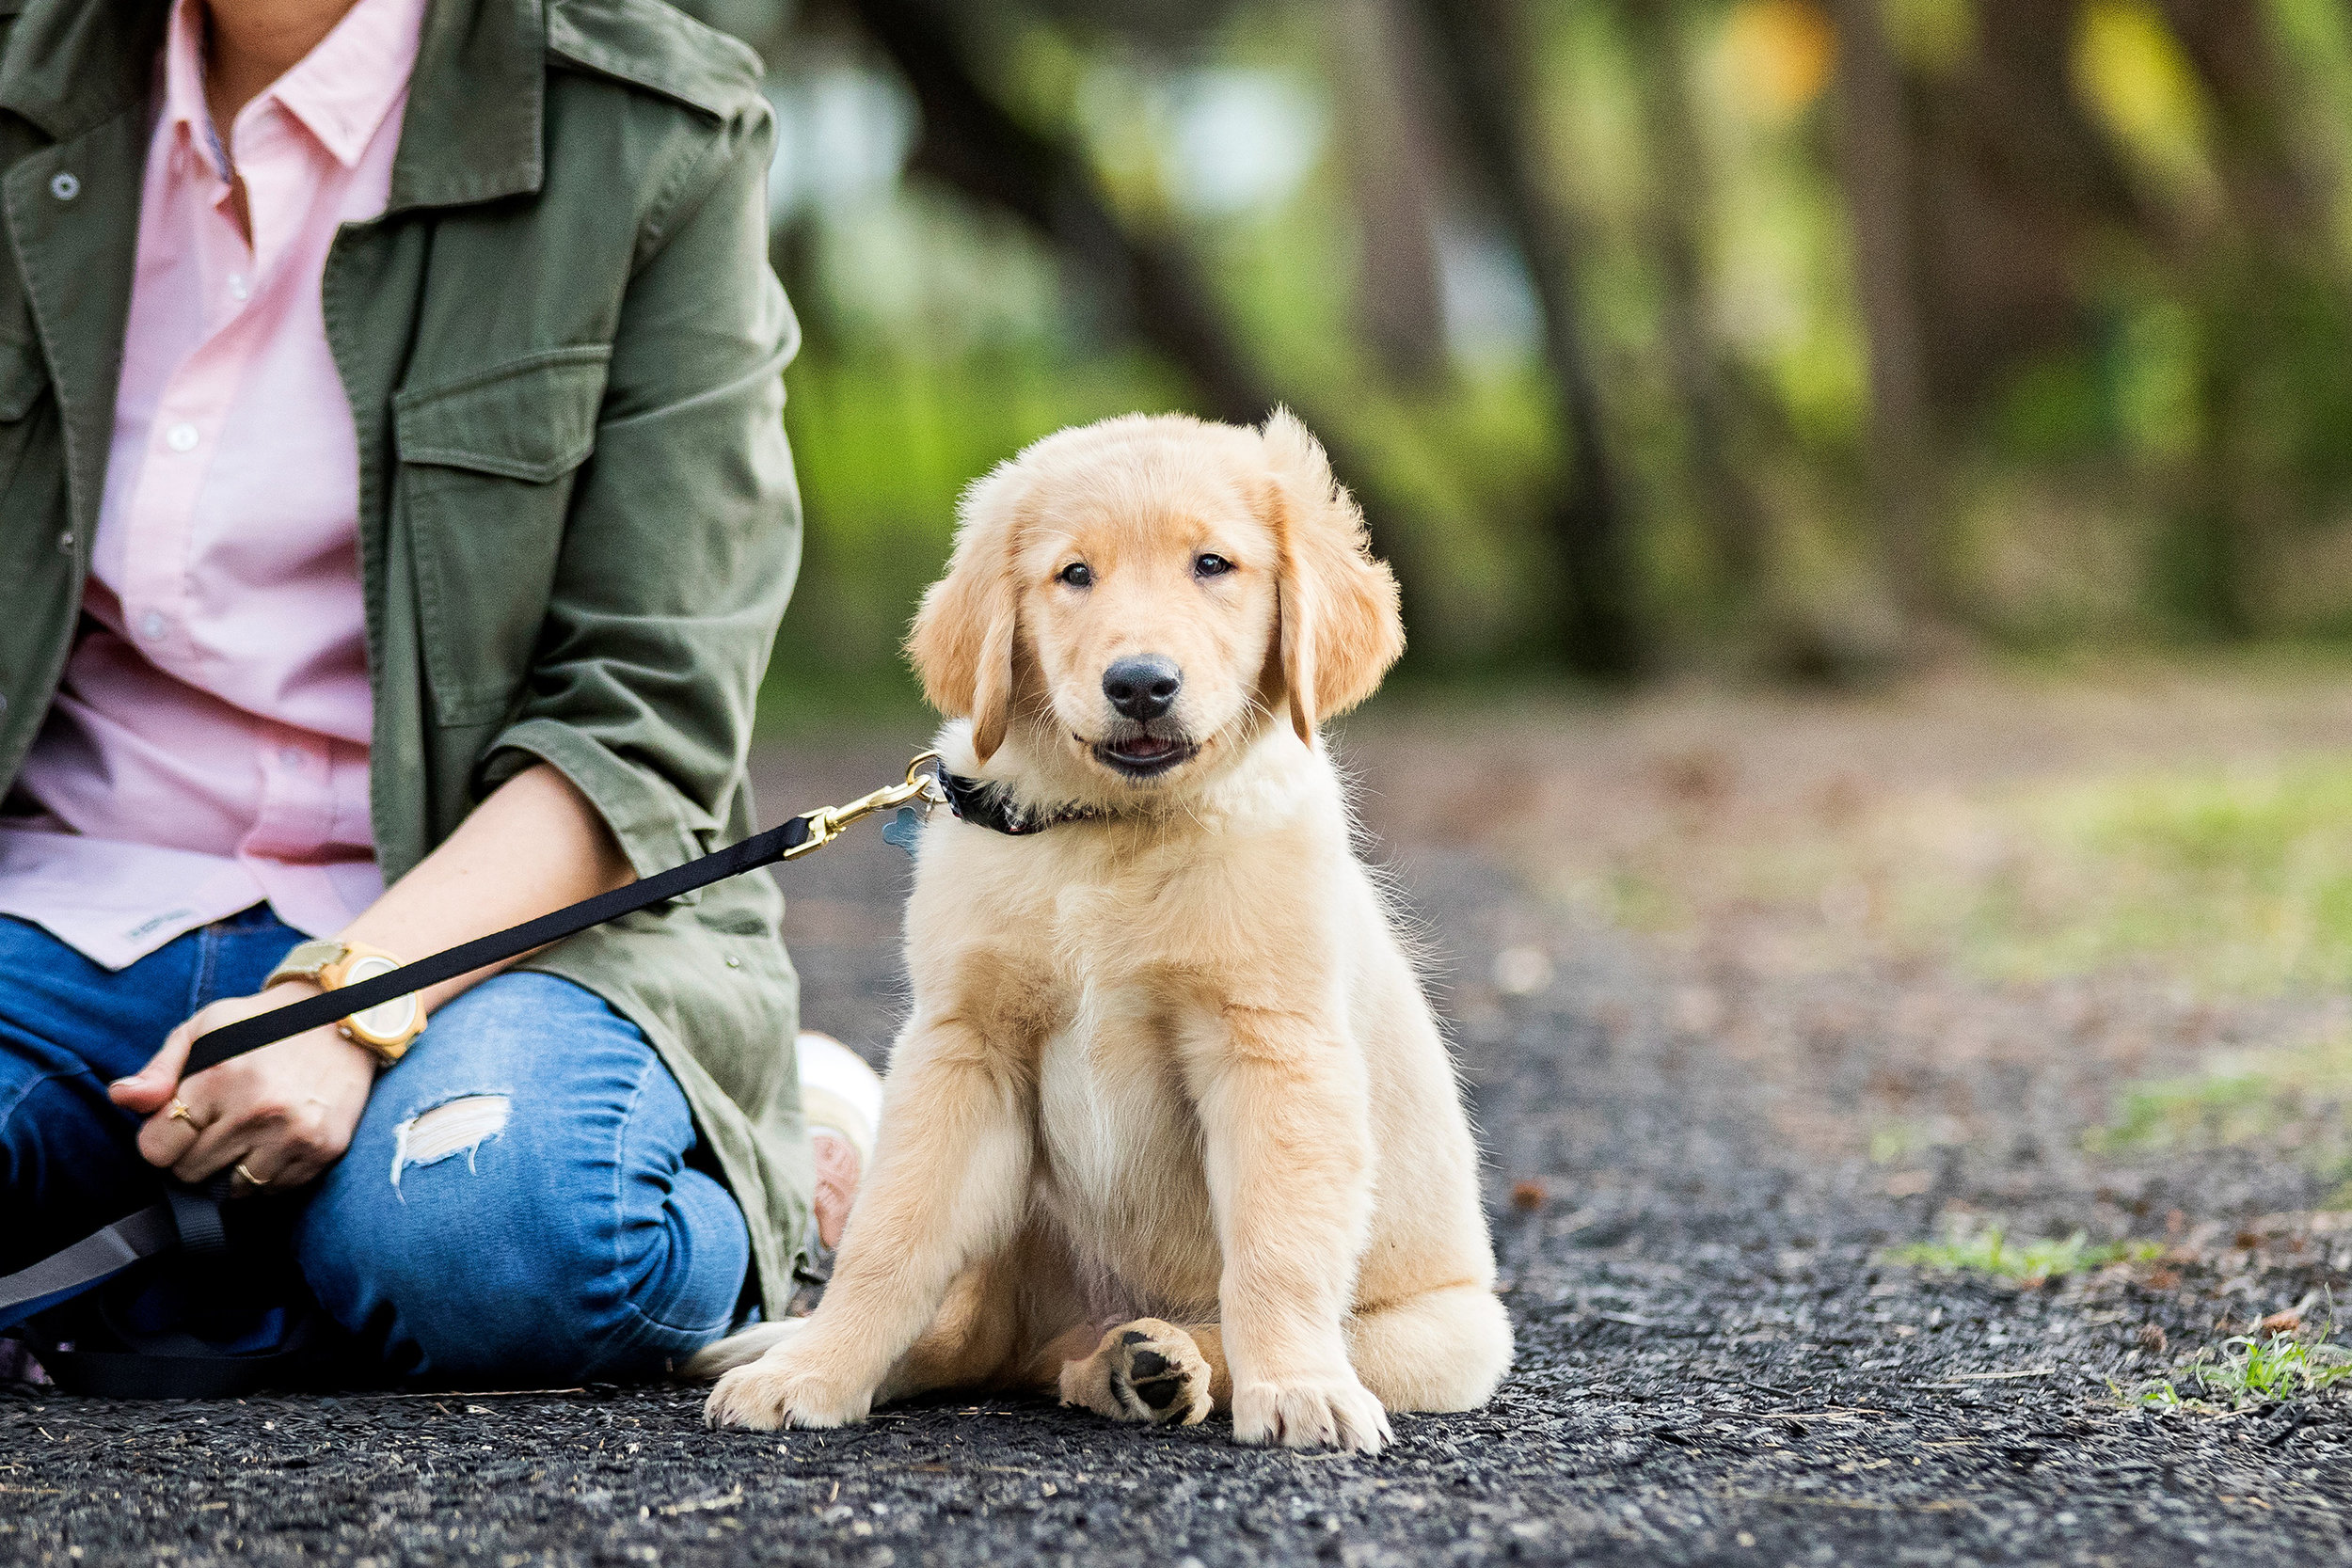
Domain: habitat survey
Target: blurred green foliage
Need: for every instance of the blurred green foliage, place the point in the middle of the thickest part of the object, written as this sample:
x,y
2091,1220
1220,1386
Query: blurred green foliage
x,y
2132,226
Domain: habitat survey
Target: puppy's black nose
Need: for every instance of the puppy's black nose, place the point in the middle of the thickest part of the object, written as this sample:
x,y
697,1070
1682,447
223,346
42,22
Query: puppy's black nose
x,y
1143,689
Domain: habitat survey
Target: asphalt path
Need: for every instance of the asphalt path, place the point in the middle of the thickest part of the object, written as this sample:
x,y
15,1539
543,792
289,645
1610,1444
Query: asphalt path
x,y
1717,1362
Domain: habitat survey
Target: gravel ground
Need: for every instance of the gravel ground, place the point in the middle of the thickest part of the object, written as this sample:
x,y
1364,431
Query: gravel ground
x,y
1715,1363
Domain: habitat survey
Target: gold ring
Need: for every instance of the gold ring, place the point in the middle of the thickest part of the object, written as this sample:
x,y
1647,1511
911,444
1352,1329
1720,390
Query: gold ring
x,y
179,1111
257,1181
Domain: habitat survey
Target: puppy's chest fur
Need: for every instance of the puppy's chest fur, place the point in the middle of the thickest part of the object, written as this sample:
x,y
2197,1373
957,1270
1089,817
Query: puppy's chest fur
x,y
1119,1170
1120,992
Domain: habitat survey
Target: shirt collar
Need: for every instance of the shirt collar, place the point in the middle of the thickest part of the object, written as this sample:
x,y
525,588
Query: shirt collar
x,y
341,91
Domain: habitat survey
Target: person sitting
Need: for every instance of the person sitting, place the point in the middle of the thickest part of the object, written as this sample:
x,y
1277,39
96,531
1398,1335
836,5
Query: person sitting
x,y
396,516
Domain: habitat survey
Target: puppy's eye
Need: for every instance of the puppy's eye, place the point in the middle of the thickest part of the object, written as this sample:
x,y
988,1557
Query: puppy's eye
x,y
1211,567
1078,574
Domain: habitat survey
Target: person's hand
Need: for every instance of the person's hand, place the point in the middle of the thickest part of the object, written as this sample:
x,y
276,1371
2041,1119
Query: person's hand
x,y
284,1112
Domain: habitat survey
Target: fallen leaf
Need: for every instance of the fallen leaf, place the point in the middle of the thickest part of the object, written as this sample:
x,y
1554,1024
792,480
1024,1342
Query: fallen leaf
x,y
2286,1322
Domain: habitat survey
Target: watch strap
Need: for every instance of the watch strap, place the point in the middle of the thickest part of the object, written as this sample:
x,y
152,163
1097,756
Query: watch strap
x,y
307,961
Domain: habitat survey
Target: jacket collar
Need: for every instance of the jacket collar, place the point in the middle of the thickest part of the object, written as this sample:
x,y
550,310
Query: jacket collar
x,y
475,129
74,64
475,124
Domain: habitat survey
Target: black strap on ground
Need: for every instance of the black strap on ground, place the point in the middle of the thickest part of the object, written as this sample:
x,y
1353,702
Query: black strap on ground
x,y
187,1219
98,1256
236,1039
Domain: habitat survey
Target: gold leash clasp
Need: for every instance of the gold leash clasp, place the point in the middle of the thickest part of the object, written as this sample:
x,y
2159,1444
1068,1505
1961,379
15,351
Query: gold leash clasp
x,y
825,826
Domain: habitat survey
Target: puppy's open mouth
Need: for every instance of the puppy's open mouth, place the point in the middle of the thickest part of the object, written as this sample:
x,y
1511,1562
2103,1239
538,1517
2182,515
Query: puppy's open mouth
x,y
1143,756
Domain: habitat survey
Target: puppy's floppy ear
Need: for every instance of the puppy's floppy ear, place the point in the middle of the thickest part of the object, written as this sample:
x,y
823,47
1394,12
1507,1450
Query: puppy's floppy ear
x,y
962,643
1340,626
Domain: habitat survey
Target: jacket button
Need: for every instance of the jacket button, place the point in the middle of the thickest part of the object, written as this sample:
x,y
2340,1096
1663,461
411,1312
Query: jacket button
x,y
64,186
65,542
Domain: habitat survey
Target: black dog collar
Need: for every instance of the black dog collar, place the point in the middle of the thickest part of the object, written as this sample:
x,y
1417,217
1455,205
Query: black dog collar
x,y
992,806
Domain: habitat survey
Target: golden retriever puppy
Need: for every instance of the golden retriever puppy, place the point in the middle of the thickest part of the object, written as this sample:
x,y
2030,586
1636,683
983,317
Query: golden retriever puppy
x,y
1172,1125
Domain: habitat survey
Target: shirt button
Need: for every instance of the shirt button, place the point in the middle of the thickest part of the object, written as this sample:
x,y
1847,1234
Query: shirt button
x,y
290,757
238,288
64,186
152,625
181,437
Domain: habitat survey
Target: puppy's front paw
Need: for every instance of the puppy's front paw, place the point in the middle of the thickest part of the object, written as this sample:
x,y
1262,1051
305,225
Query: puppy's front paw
x,y
1304,1413
781,1390
1144,1371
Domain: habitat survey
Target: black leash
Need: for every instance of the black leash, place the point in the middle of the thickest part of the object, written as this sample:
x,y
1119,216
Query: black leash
x,y
797,837
986,806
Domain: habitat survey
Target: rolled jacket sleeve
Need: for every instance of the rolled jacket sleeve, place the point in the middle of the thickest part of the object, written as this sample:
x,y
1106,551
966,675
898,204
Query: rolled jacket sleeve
x,y
684,532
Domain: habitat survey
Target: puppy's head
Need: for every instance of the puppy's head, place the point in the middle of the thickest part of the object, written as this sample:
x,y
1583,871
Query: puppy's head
x,y
1140,594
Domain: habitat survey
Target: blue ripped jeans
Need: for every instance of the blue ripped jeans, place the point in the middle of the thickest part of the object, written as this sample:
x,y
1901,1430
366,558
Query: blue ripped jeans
x,y
523,1202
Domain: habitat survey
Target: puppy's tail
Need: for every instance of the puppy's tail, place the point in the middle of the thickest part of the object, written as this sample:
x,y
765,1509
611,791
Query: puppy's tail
x,y
739,1350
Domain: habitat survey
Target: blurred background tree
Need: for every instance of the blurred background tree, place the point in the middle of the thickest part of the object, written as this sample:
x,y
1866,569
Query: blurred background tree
x,y
1812,337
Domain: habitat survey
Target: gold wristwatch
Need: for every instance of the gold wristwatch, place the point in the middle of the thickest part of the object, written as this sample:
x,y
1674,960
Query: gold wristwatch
x,y
384,1029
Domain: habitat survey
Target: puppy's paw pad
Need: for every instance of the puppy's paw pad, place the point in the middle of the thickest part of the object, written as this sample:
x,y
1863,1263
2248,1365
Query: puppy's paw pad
x,y
1146,1370
1329,1412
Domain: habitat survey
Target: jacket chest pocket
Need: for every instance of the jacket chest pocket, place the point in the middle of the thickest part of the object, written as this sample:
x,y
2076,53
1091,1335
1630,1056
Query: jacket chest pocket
x,y
486,465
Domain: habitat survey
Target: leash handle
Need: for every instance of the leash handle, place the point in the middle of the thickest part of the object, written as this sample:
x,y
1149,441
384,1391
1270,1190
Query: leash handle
x,y
808,832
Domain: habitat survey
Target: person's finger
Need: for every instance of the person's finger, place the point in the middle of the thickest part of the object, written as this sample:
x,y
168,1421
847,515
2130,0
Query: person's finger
x,y
207,1158
166,1137
235,1136
252,1176
294,1150
150,1089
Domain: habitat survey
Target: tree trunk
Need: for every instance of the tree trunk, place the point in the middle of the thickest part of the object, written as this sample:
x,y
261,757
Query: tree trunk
x,y
1385,143
2271,184
1732,516
2270,254
1873,144
1482,47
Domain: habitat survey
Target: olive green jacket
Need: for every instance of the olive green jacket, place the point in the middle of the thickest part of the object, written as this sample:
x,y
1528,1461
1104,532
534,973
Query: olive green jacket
x,y
577,527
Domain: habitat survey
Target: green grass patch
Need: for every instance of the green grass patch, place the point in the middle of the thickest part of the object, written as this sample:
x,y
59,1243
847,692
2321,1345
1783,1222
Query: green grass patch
x,y
2239,882
1989,1250
2233,882
2293,1099
2230,881
2246,1370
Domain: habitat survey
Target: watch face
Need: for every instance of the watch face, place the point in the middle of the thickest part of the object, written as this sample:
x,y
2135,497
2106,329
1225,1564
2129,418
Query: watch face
x,y
385,1021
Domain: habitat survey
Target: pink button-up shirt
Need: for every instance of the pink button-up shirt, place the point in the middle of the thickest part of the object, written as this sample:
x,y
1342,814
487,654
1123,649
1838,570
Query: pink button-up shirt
x,y
208,748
